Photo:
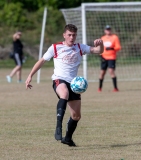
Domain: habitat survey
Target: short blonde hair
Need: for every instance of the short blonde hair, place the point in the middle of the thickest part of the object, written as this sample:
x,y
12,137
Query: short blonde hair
x,y
15,35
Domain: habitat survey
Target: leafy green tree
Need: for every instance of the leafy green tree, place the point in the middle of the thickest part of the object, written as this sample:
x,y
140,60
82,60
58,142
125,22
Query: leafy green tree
x,y
13,15
58,4
30,5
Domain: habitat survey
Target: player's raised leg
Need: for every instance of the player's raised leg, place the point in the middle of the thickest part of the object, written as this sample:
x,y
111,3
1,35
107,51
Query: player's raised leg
x,y
62,92
75,111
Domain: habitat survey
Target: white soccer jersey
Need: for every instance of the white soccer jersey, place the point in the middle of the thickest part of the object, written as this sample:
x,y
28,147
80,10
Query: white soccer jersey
x,y
66,59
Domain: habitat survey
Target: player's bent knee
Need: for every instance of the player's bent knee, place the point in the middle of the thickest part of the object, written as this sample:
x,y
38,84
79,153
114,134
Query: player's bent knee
x,y
102,75
112,74
76,117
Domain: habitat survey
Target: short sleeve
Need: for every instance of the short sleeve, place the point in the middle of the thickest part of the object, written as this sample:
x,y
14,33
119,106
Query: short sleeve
x,y
49,53
85,49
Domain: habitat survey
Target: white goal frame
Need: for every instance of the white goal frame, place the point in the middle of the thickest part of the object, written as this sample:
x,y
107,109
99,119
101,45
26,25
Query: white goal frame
x,y
83,14
42,42
96,7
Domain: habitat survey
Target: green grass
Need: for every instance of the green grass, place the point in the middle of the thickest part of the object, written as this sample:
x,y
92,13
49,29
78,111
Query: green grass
x,y
108,130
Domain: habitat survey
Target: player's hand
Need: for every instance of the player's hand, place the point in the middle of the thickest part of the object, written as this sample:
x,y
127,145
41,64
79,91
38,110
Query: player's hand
x,y
98,42
27,82
109,48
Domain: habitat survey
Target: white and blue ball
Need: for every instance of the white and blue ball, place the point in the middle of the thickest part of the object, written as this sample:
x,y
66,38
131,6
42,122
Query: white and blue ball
x,y
79,85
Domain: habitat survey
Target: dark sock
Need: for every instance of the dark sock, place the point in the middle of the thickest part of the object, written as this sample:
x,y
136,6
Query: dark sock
x,y
100,83
71,126
61,108
115,82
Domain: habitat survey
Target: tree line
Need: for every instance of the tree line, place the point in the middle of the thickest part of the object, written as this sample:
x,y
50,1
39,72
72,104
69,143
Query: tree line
x,y
26,15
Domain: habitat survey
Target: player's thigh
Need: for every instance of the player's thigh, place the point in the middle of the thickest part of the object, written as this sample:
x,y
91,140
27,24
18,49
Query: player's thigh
x,y
103,70
75,109
112,67
62,91
102,73
112,72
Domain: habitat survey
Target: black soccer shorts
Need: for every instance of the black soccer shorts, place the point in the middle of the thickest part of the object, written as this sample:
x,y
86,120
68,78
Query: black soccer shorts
x,y
72,95
107,64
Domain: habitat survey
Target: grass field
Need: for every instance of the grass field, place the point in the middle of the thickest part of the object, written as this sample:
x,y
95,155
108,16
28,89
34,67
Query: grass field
x,y
110,128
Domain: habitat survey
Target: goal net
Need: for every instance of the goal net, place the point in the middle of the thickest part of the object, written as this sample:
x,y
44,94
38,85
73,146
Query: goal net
x,y
125,21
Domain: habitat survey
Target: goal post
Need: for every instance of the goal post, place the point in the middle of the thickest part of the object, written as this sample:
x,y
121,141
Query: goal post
x,y
41,42
125,20
84,39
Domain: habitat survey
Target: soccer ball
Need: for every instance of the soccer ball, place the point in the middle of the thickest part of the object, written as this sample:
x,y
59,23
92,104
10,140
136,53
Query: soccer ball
x,y
79,85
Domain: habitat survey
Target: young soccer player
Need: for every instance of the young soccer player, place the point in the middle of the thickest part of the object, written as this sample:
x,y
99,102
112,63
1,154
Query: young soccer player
x,y
108,57
67,57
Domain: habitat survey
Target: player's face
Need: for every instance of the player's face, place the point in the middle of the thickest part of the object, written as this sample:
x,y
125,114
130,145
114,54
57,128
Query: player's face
x,y
108,31
69,37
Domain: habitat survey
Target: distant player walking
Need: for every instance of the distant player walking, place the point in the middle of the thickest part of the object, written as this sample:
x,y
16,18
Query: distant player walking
x,y
18,57
67,57
108,57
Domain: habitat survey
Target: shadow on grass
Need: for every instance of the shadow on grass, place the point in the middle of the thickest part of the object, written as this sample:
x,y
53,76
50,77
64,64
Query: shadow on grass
x,y
105,146
125,145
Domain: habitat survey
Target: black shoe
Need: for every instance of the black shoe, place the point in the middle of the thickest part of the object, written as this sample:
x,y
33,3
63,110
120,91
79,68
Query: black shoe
x,y
69,143
58,134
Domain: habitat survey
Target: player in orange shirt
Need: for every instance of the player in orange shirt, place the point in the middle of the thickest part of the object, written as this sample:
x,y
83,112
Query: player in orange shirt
x,y
108,57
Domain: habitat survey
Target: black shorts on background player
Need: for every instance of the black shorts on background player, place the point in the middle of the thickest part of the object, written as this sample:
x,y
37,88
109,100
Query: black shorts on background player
x,y
107,64
72,95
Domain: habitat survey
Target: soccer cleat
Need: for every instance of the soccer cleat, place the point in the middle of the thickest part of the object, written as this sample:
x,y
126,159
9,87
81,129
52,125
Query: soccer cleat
x,y
115,90
58,134
99,90
9,79
69,143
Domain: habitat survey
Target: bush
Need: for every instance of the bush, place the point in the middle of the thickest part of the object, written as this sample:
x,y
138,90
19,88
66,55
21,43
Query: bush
x,y
13,15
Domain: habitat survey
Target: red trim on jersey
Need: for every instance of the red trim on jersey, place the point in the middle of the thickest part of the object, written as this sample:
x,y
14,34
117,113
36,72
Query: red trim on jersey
x,y
59,43
55,49
80,49
57,82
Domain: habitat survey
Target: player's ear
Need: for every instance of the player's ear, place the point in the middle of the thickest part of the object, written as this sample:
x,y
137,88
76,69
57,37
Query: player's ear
x,y
64,35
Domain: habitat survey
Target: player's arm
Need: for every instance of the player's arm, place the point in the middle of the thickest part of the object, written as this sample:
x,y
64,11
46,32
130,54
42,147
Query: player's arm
x,y
98,47
46,57
117,44
35,68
